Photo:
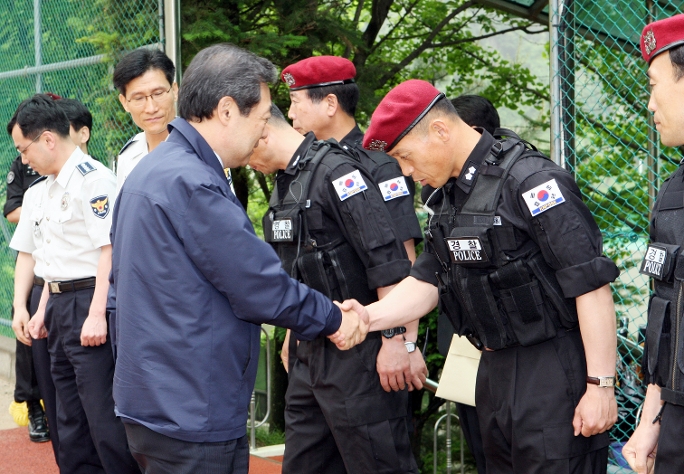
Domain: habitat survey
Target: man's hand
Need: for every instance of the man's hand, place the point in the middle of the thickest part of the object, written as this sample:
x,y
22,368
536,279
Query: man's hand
x,y
596,411
36,325
393,364
285,352
20,323
353,329
640,450
419,371
94,330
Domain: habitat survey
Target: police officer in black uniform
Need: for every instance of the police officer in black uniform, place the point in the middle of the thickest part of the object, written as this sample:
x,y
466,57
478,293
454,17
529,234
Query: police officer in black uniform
x,y
661,428
323,100
514,258
327,222
26,389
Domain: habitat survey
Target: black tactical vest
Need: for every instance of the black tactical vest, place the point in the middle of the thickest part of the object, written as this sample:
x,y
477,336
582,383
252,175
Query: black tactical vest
x,y
495,287
664,351
328,263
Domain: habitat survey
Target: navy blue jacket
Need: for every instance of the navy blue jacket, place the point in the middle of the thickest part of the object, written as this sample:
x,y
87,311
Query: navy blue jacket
x,y
192,283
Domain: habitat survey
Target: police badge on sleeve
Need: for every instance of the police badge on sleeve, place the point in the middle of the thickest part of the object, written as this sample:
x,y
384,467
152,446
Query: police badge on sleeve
x,y
349,184
100,206
543,197
394,188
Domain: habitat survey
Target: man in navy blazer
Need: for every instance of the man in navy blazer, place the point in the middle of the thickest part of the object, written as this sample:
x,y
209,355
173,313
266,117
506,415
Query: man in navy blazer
x,y
192,281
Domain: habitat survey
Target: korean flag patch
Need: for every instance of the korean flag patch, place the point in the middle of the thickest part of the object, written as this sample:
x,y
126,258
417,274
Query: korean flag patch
x,y
100,206
394,188
543,197
349,184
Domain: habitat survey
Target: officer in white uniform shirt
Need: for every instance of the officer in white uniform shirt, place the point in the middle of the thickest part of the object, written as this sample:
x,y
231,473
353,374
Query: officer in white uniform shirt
x,y
69,219
147,91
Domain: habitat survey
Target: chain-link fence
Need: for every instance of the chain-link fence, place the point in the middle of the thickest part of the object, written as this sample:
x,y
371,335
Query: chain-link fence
x,y
604,133
67,47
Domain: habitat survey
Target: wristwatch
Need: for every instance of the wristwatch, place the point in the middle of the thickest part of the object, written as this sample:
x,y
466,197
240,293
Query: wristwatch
x,y
410,346
605,382
390,333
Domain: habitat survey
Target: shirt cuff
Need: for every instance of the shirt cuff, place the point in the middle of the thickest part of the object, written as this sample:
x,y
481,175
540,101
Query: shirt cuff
x,y
425,268
588,276
388,273
334,321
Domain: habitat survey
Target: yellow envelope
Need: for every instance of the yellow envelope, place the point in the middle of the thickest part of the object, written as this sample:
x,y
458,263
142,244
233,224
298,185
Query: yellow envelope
x,y
457,382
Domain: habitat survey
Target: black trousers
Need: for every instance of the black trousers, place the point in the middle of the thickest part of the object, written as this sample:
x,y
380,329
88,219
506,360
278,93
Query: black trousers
x,y
670,456
526,399
338,419
26,387
159,454
92,438
41,365
470,425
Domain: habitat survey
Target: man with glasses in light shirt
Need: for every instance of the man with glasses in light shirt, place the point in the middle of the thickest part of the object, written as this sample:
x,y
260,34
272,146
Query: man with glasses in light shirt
x,y
147,91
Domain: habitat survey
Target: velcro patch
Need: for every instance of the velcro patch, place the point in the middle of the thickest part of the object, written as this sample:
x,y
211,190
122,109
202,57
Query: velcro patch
x,y
282,230
349,184
543,197
466,249
85,168
394,188
100,206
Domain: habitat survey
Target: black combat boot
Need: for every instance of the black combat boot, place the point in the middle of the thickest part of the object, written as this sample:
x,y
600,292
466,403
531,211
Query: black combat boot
x,y
38,428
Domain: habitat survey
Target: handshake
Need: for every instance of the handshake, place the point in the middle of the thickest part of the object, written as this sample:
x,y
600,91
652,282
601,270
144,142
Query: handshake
x,y
354,326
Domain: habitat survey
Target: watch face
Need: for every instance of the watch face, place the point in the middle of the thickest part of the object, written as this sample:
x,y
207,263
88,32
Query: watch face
x,y
388,333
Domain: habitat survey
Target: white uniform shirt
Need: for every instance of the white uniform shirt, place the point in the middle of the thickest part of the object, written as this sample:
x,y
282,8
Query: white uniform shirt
x,y
23,239
129,156
69,219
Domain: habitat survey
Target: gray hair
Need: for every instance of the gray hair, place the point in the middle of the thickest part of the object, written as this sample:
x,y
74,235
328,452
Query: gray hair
x,y
219,71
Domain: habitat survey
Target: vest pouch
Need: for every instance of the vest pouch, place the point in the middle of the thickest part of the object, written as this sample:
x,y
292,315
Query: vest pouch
x,y
449,306
281,227
657,345
470,247
659,261
314,272
349,274
527,314
474,290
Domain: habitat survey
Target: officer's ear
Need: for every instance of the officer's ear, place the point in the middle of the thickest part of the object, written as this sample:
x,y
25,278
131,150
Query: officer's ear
x,y
124,102
332,104
440,130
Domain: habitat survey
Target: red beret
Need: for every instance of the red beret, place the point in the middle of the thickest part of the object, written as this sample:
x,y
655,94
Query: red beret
x,y
401,109
318,71
662,35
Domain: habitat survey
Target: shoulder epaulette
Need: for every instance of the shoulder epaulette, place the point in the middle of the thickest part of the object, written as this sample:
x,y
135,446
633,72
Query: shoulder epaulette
x,y
85,168
42,178
128,143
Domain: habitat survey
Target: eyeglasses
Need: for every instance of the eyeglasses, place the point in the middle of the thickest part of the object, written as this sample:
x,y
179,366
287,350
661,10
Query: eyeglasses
x,y
22,152
138,102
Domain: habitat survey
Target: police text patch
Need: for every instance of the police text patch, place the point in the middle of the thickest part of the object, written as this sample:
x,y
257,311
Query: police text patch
x,y
394,188
349,184
653,263
282,230
543,197
466,249
100,206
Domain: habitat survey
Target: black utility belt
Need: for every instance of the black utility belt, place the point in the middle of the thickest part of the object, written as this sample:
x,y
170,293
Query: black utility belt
x,y
72,285
38,281
660,261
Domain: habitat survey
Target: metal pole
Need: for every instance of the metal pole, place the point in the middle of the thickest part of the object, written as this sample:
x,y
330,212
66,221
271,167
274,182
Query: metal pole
x,y
171,29
37,43
556,128
448,437
252,421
